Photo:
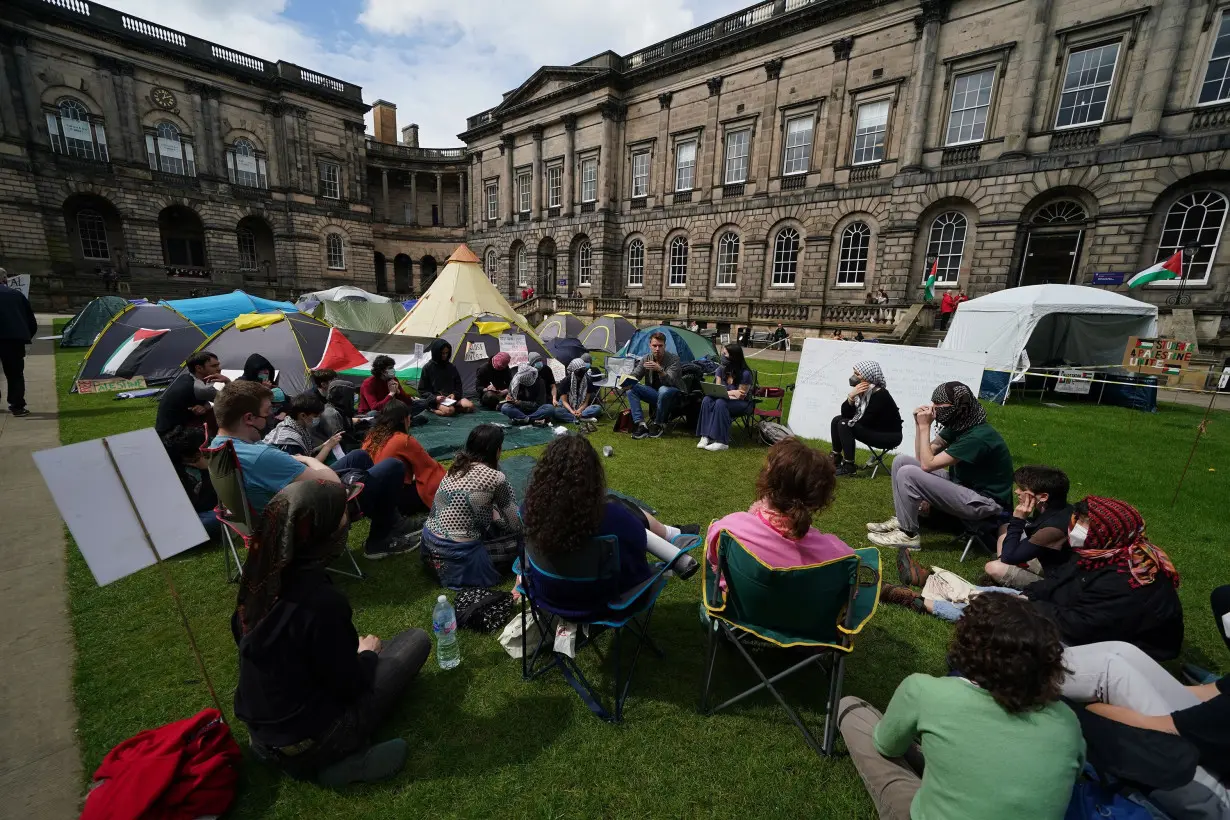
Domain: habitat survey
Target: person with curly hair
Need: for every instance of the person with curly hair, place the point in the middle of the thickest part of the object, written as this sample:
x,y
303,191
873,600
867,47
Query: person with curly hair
x,y
389,438
996,739
795,483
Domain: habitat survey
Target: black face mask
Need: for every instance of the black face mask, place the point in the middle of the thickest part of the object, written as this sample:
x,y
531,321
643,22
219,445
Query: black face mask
x,y
944,414
855,381
725,361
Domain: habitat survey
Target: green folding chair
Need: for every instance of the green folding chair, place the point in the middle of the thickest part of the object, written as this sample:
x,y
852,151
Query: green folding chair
x,y
819,608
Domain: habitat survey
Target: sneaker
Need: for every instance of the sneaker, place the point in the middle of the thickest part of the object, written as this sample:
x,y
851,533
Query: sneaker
x,y
656,430
408,525
374,763
717,447
885,526
520,422
19,413
902,596
896,538
689,529
389,545
703,443
641,431
685,566
847,468
1199,676
541,422
910,571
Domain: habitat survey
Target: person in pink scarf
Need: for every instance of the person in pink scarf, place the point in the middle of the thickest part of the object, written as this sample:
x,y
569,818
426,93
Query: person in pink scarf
x,y
795,483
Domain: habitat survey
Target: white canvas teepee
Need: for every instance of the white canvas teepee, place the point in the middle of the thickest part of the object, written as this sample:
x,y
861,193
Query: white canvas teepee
x,y
461,289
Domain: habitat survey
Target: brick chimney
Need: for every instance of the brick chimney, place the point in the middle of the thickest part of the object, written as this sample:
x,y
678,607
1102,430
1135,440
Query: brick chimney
x,y
410,135
384,119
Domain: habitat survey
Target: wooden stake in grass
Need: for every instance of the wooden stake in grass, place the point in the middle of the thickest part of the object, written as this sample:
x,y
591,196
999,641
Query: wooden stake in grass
x,y
1200,430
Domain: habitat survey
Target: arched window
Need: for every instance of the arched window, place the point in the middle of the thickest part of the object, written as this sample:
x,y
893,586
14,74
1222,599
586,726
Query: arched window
x,y
678,269
1199,217
92,231
1059,212
169,151
636,264
245,166
585,264
247,249
75,133
947,245
523,267
335,249
852,257
728,260
785,258
491,268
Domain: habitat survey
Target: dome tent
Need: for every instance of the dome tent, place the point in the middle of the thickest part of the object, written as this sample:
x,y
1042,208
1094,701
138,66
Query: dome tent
x,y
341,293
607,333
475,339
372,317
685,344
146,340
562,325
83,329
1078,325
461,289
211,313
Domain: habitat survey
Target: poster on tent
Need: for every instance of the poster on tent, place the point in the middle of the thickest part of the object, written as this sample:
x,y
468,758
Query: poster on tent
x,y
1075,382
515,346
476,352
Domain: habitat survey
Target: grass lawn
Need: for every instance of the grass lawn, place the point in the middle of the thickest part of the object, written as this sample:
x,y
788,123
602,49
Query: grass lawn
x,y
484,743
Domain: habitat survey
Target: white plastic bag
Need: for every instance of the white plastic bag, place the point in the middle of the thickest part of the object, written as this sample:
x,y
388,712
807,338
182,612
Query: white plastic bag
x,y
510,638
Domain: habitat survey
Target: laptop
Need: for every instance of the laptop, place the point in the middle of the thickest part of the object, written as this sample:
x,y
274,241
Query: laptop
x,y
714,389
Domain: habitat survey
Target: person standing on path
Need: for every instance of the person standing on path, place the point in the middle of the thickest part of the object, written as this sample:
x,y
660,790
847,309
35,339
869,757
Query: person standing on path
x,y
17,329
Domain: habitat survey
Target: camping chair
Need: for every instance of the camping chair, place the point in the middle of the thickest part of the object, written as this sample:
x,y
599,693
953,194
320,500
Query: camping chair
x,y
817,608
876,460
983,533
609,394
565,588
236,515
750,420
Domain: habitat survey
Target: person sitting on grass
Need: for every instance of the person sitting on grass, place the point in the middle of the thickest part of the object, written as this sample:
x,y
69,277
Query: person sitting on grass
x,y
311,691
1124,684
293,435
567,507
493,377
716,415
244,409
338,417
996,739
187,399
1034,542
390,438
527,394
473,533
868,414
965,471
659,377
796,482
440,380
321,379
575,403
183,445
383,386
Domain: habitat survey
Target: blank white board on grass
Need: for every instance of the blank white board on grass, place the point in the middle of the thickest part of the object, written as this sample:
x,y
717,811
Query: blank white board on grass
x,y
911,374
91,499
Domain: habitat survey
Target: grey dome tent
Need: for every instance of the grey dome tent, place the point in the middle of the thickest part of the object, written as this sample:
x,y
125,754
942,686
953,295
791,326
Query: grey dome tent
x,y
607,333
146,340
560,325
83,329
475,339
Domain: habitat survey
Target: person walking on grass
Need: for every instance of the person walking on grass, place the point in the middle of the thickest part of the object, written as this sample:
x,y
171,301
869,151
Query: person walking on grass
x,y
17,329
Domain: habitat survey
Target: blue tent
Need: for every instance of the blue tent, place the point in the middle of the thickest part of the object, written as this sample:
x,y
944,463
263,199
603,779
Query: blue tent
x,y
685,344
409,303
212,313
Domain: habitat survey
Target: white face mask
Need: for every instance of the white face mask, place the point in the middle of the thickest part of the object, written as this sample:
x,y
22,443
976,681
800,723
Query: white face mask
x,y
1077,535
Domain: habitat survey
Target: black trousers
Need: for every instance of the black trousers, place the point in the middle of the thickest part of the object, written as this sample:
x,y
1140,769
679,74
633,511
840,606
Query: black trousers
x,y
13,362
401,658
409,502
844,436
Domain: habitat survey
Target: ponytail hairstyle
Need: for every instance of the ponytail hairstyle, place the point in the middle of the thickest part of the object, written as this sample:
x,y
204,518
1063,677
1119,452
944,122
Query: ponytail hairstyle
x,y
797,481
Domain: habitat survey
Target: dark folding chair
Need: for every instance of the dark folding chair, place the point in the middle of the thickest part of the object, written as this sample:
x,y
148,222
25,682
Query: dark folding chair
x,y
876,460
983,533
770,405
749,420
819,608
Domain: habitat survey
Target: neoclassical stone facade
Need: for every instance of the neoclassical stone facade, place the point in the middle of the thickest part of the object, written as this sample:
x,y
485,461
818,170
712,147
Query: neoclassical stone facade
x,y
798,157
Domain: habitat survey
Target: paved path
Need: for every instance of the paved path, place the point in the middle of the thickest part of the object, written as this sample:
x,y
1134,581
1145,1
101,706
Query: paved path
x,y
40,767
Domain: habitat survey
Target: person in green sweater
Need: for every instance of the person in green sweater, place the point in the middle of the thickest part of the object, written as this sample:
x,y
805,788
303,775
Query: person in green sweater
x,y
996,739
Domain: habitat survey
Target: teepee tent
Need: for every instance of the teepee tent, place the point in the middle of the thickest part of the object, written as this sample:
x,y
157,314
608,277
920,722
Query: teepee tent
x,y
563,325
461,289
607,333
83,329
146,340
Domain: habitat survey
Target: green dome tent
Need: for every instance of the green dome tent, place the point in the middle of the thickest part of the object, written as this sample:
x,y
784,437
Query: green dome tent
x,y
83,329
372,317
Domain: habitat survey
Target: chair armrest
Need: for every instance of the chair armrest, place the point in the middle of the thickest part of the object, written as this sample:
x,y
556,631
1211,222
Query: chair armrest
x,y
866,592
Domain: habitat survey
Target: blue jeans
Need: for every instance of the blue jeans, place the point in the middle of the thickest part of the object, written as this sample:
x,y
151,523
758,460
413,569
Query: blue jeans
x,y
213,527
378,501
660,400
948,611
511,410
716,415
562,415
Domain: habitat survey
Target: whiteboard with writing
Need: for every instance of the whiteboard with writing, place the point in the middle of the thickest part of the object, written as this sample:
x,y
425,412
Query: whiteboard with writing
x,y
911,374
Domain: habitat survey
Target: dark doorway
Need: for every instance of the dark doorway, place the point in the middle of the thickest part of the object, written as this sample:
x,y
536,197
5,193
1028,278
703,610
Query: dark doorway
x,y
435,215
1050,258
546,268
382,274
427,269
402,274
183,237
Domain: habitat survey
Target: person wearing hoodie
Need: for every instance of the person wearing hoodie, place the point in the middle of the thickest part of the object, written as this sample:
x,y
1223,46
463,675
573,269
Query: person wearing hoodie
x,y
492,379
259,369
441,380
339,417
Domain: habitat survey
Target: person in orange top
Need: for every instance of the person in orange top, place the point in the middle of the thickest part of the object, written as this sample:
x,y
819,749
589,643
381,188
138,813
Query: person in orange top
x,y
389,438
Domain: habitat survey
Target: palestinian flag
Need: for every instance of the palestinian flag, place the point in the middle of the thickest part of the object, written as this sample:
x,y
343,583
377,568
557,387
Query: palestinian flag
x,y
125,362
339,353
929,285
407,366
1172,268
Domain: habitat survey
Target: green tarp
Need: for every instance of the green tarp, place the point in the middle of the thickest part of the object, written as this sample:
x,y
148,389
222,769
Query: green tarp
x,y
373,317
443,437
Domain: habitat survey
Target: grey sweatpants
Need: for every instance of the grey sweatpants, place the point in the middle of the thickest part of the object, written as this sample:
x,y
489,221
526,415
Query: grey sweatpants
x,y
1122,675
913,485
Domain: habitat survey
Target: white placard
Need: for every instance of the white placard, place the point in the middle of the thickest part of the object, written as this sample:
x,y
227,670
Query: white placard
x,y
911,374
91,499
476,352
418,348
169,148
245,163
76,129
514,345
1075,382
21,283
1224,380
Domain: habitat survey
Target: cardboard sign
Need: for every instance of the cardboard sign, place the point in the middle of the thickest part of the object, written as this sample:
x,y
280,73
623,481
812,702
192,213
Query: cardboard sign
x,y
110,385
476,352
514,345
1158,357
1075,382
21,284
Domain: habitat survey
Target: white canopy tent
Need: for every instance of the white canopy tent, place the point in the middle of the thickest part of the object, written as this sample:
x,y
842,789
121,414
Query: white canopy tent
x,y
341,293
1043,324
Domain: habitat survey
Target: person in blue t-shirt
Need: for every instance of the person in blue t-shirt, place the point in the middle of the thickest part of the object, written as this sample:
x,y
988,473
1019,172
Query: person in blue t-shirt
x,y
243,410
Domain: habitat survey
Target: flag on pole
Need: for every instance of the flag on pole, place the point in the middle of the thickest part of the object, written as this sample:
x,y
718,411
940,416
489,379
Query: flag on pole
x,y
929,285
1172,268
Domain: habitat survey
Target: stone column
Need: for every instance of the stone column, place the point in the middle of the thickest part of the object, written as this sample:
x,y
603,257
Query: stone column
x,y
536,174
707,175
1161,47
29,92
766,127
1033,45
384,194
570,161
214,112
836,108
478,214
414,198
507,194
657,176
463,199
608,197
440,199
124,137
927,24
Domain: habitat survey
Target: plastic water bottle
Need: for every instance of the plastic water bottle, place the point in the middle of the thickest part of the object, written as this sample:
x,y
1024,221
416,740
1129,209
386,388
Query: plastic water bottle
x,y
444,625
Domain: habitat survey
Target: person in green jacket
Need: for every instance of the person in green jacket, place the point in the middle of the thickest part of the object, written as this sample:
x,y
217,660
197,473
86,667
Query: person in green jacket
x,y
996,739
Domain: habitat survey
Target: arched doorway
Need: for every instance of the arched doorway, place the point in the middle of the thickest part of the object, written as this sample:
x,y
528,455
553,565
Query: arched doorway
x,y
95,233
256,253
547,280
382,274
403,274
183,237
427,272
1054,236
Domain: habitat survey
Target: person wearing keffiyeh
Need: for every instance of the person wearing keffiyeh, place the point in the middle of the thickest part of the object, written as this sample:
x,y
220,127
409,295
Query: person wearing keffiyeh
x,y
965,471
575,404
868,414
525,393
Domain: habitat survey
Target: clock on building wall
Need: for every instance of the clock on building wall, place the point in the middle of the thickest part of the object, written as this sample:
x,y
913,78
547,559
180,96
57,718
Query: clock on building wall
x,y
163,98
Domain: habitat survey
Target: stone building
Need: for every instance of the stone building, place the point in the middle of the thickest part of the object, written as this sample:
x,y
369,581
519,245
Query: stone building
x,y
790,161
